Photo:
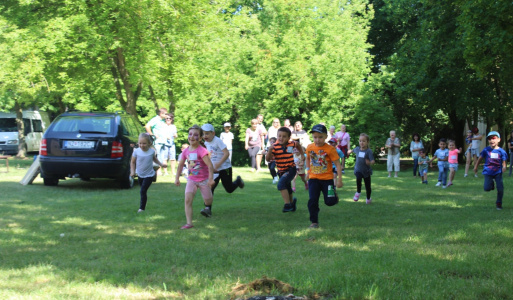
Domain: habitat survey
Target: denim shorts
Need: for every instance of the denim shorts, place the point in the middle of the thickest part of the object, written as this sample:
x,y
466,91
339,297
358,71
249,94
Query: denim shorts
x,y
455,166
286,178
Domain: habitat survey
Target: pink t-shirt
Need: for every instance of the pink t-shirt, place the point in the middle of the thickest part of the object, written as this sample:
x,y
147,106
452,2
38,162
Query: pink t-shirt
x,y
453,156
198,170
343,137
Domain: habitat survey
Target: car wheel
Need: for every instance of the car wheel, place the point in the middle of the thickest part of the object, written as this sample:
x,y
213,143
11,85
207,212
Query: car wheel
x,y
127,182
50,181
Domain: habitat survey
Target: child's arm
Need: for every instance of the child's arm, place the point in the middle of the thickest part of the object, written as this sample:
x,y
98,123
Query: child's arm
x,y
339,174
181,163
479,161
269,154
157,161
503,166
307,169
226,154
431,161
132,166
299,148
208,162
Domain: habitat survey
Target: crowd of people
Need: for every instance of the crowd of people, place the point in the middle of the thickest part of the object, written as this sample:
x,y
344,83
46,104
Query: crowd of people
x,y
316,156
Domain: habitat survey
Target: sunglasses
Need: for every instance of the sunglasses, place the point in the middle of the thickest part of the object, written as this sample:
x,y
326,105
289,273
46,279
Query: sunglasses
x,y
493,137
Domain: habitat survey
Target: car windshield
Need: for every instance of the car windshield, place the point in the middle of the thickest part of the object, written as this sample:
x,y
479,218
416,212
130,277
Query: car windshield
x,y
85,124
8,125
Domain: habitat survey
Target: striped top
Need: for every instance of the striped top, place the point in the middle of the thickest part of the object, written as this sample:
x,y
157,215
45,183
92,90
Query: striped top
x,y
284,155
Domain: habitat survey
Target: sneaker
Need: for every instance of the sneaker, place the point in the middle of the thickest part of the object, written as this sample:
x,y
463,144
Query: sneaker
x,y
287,207
241,182
388,176
449,184
314,225
206,212
356,196
475,175
396,176
498,206
368,201
444,187
294,201
466,175
306,186
186,226
276,179
140,211
438,184
426,182
293,189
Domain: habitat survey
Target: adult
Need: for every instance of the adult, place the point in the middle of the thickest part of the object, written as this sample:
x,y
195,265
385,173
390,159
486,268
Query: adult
x,y
343,143
331,133
261,127
393,144
273,130
167,143
299,134
253,143
475,148
286,123
415,146
154,128
510,147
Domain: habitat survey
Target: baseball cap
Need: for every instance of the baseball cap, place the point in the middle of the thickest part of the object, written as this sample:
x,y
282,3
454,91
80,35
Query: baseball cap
x,y
207,127
319,128
492,133
333,140
227,124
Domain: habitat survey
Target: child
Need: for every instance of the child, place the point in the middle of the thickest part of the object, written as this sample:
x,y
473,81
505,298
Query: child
x,y
200,174
495,164
219,156
299,160
185,170
227,138
442,155
423,165
453,160
142,164
272,164
282,153
333,142
362,167
319,158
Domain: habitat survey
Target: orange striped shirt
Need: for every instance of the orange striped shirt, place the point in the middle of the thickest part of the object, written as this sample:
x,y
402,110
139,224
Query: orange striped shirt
x,y
284,156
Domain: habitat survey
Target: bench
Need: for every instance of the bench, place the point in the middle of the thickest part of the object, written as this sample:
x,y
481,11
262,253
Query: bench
x,y
6,157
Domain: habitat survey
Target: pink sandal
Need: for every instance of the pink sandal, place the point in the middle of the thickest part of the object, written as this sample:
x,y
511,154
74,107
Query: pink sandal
x,y
186,226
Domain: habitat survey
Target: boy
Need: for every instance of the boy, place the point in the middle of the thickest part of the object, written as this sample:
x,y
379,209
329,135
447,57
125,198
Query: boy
x,y
423,165
219,154
282,152
227,138
319,159
495,164
442,155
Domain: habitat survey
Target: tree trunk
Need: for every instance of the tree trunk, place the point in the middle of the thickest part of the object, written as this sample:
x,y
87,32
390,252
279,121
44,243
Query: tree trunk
x,y
119,90
152,97
131,97
22,146
170,97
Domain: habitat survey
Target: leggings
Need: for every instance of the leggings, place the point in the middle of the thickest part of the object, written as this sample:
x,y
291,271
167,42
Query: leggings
x,y
145,183
226,178
367,181
252,155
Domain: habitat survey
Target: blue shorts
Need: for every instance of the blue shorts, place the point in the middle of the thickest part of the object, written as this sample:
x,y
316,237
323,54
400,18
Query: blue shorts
x,y
423,172
455,166
286,178
167,153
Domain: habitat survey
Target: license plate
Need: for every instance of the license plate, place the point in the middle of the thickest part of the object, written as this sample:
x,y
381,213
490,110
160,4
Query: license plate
x,y
78,145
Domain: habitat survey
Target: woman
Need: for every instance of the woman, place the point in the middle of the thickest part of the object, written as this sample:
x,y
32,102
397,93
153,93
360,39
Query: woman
x,y
343,143
254,142
273,130
331,133
299,134
415,146
474,150
510,146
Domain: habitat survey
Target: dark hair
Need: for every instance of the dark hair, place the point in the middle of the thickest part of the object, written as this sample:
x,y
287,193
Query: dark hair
x,y
443,140
273,140
161,110
415,134
422,150
286,130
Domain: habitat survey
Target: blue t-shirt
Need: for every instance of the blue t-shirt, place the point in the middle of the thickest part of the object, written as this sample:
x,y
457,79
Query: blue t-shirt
x,y
493,160
442,154
340,155
360,165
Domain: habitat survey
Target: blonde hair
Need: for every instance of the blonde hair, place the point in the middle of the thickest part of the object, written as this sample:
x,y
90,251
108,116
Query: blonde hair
x,y
366,136
146,136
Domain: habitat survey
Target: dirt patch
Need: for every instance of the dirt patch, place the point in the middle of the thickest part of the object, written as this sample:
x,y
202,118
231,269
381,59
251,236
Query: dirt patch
x,y
263,285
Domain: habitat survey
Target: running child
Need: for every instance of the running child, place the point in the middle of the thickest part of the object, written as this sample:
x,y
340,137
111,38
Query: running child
x,y
142,164
319,159
200,174
495,164
362,167
442,155
453,161
333,142
219,155
423,165
282,152
299,160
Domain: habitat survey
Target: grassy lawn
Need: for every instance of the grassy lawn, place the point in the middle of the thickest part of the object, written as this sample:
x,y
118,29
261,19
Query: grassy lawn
x,y
85,240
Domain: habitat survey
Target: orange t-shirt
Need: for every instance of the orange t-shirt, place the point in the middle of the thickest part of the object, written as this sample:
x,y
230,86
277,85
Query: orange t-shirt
x,y
321,159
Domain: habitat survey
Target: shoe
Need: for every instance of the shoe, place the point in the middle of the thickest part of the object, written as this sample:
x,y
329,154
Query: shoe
x,y
426,182
498,206
438,184
356,196
287,208
241,182
343,172
314,225
475,175
276,179
388,176
206,212
396,176
140,211
294,201
449,184
166,174
186,226
293,189
306,186
368,201
444,187
466,175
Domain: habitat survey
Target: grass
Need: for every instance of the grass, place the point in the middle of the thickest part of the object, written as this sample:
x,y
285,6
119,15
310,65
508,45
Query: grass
x,y
414,241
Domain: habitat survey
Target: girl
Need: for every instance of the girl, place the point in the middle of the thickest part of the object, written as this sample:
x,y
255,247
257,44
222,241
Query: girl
x,y
201,174
142,164
362,167
453,161
299,160
415,146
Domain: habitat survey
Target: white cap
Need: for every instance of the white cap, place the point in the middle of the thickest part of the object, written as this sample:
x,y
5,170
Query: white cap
x,y
207,127
227,124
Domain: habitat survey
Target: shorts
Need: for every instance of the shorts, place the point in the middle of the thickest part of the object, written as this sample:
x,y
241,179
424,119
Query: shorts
x,y
423,172
192,186
167,153
455,166
474,152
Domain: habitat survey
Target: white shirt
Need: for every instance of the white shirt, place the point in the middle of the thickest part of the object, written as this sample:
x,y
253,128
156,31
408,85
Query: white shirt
x,y
227,138
144,162
215,148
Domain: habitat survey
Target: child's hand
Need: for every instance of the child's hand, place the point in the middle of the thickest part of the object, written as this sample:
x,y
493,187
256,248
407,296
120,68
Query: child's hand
x,y
340,184
367,161
132,174
211,183
177,182
164,165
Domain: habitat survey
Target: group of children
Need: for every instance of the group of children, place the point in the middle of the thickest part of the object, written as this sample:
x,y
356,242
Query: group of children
x,y
209,162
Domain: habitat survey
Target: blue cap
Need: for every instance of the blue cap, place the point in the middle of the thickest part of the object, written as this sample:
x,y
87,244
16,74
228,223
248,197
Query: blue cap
x,y
492,133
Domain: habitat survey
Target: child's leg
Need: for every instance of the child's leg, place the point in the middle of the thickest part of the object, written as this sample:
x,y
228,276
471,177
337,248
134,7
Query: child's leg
x,y
451,175
500,189
368,189
206,193
190,191
226,176
272,169
359,177
332,199
294,183
302,176
284,185
314,193
488,183
145,185
440,173
445,175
